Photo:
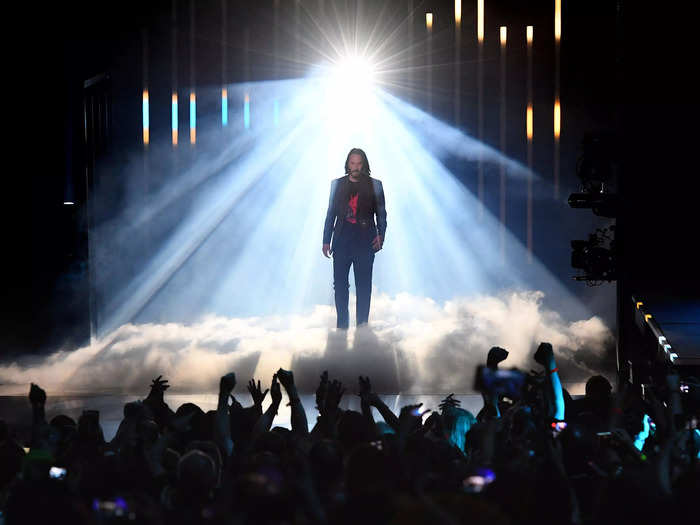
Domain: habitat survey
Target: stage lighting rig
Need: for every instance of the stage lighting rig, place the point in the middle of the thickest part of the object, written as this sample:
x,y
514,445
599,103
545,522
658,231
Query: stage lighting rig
x,y
597,257
597,169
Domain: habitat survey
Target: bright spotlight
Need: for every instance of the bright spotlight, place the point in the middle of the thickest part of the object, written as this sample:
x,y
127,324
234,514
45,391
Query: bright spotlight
x,y
353,73
349,88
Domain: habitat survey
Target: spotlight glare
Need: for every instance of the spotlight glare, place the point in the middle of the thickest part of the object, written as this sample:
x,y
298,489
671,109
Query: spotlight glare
x,y
354,72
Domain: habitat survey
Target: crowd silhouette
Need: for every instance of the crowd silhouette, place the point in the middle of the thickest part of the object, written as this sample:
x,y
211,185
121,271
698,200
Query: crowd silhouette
x,y
532,454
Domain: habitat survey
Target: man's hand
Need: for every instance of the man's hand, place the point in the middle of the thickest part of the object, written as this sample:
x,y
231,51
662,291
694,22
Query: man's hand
x,y
377,243
326,250
37,395
256,392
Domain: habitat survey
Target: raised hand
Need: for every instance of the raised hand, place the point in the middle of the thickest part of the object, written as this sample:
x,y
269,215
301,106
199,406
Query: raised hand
x,y
544,354
322,390
286,377
495,356
159,385
335,392
228,382
365,393
37,395
256,392
275,391
449,402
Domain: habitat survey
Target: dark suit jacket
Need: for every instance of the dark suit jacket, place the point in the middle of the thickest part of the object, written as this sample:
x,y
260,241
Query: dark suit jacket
x,y
337,206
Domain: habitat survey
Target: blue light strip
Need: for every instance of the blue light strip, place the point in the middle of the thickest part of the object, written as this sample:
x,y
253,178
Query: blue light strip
x,y
174,113
224,107
246,113
276,113
193,112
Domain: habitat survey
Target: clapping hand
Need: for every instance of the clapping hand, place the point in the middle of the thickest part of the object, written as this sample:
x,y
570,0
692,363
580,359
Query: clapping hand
x,y
275,391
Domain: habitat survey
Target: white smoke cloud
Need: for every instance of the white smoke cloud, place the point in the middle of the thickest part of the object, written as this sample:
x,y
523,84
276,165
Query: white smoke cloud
x,y
414,345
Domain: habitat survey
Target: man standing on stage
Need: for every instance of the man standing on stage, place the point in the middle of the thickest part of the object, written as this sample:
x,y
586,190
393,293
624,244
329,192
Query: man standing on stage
x,y
355,200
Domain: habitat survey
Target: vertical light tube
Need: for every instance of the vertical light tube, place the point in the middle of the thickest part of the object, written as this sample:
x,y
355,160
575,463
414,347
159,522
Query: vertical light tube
x,y
530,131
480,101
173,118
193,99
146,132
224,107
409,46
480,21
501,164
429,57
173,63
246,112
458,60
193,118
557,104
224,93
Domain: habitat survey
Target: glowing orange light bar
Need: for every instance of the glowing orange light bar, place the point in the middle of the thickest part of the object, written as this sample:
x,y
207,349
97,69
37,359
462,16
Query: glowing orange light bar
x,y
639,303
647,317
529,32
146,132
557,20
557,119
504,35
529,122
480,20
458,12
429,21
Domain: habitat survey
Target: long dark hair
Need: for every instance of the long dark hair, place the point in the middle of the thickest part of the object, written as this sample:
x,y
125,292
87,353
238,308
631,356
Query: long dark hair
x,y
365,163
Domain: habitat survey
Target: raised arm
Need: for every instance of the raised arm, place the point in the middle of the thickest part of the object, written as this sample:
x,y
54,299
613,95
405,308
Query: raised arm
x,y
264,423
299,423
545,357
37,397
222,431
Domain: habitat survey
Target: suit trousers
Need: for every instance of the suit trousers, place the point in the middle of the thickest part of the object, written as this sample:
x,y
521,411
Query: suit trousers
x,y
356,251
